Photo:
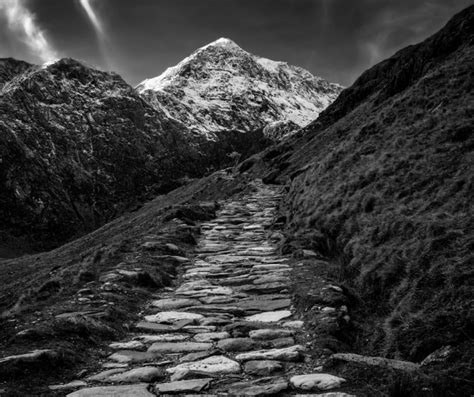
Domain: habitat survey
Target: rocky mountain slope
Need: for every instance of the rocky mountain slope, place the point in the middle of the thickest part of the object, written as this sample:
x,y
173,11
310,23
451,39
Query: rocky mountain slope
x,y
79,146
221,87
382,184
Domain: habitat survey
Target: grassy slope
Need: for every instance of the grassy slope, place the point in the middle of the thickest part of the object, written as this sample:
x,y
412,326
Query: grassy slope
x,y
36,288
383,184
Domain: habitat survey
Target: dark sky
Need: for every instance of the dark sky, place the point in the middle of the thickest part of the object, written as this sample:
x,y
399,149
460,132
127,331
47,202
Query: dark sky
x,y
335,39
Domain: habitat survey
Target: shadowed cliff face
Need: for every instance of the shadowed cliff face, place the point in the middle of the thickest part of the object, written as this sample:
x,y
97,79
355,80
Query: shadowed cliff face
x,y
383,184
79,146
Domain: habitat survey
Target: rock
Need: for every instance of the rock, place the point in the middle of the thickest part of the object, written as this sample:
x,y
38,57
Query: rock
x,y
142,374
262,367
161,328
34,359
190,385
163,338
173,248
199,329
269,317
268,333
137,390
308,254
277,343
132,356
172,317
272,278
195,356
211,336
407,366
211,365
292,353
263,304
294,324
131,345
316,382
334,394
173,303
70,385
178,347
438,356
114,365
104,375
260,387
210,300
236,344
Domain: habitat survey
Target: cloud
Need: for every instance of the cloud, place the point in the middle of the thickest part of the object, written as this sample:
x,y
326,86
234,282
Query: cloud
x,y
93,18
22,22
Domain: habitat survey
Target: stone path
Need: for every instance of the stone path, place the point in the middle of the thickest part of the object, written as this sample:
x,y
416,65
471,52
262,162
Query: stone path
x,y
227,328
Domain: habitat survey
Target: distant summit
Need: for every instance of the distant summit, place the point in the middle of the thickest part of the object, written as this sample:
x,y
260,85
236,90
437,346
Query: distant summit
x,y
221,87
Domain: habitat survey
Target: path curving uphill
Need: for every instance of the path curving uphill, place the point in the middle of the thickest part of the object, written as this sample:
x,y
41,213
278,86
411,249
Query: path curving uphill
x,y
227,328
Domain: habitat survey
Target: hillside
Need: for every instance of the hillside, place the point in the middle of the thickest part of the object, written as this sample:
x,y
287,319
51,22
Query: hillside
x,y
221,87
382,184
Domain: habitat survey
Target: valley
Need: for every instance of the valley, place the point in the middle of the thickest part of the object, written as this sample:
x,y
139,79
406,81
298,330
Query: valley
x,y
237,226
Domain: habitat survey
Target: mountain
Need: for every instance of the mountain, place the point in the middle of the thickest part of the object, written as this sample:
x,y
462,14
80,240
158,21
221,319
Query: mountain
x,y
221,87
382,186
79,146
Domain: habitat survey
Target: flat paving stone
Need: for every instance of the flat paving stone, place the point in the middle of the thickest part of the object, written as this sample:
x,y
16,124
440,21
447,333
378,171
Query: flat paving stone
x,y
173,303
132,356
270,333
211,336
262,367
178,347
132,345
211,365
182,386
259,387
236,344
292,353
269,317
138,390
172,317
163,338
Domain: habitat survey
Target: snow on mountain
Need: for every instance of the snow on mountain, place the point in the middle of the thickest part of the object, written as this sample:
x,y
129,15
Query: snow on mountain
x,y
221,87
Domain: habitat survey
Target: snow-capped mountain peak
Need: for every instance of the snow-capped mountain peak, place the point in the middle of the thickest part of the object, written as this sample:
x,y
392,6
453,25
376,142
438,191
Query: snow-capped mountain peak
x,y
221,87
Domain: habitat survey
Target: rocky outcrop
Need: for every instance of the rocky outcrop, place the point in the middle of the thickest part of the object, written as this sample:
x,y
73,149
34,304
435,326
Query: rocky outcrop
x,y
222,88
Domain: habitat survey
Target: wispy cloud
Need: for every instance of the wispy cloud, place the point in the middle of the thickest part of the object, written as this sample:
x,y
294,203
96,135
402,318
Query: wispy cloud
x,y
22,22
93,17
